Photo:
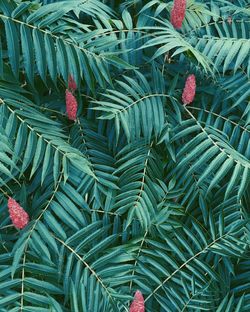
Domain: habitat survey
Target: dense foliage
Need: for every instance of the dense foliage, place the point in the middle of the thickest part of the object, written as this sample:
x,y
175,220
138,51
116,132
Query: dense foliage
x,y
109,184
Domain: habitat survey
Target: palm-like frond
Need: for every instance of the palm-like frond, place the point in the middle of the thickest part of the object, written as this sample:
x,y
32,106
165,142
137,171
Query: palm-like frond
x,y
38,139
38,35
139,192
212,153
135,106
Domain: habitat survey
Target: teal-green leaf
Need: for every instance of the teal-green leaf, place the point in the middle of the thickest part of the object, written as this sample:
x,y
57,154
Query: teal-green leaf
x,y
13,45
28,51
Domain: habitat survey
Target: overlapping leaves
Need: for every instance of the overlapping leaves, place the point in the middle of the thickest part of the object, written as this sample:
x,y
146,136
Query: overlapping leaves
x,y
139,192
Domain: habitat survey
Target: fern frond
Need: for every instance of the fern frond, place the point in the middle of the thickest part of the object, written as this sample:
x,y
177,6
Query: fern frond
x,y
35,33
38,138
135,106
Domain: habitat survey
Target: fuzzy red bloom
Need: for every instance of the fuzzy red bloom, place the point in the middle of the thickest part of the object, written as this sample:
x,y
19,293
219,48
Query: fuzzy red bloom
x,y
178,13
18,215
71,105
189,90
138,303
72,83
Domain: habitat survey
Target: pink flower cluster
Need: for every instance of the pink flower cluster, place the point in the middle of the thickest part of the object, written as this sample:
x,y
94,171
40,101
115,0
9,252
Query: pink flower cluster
x,y
138,303
18,215
189,90
178,13
71,105
71,102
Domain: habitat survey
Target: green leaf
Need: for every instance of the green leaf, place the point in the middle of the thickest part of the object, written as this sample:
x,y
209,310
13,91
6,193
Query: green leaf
x,y
13,45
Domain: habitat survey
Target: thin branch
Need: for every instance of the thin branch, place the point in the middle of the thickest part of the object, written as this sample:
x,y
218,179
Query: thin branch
x,y
222,117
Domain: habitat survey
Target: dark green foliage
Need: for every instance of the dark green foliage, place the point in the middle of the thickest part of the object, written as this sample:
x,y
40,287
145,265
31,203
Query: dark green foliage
x,y
140,192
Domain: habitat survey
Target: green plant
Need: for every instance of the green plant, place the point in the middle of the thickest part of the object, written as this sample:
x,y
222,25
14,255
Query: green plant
x,y
139,192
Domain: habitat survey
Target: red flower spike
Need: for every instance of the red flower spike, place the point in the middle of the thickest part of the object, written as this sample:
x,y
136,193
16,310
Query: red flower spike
x,y
18,215
71,105
138,303
189,90
178,13
72,83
